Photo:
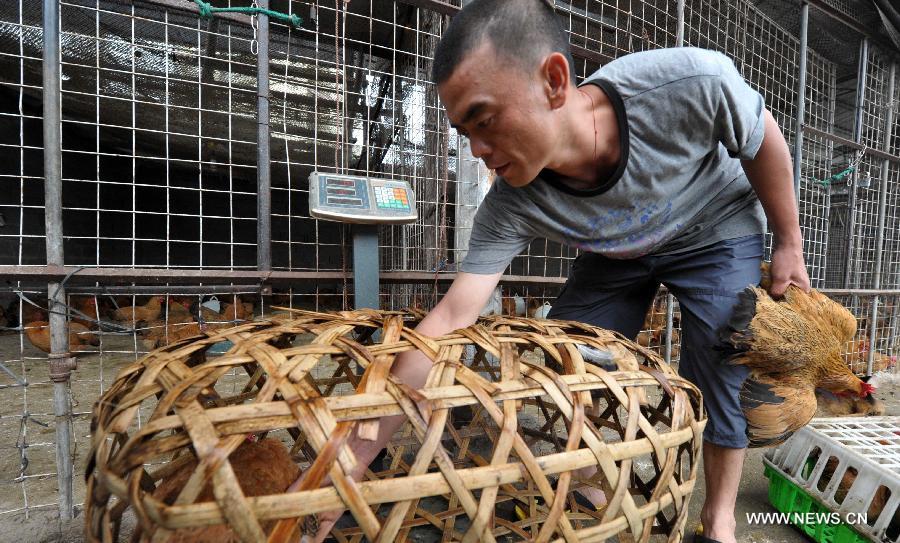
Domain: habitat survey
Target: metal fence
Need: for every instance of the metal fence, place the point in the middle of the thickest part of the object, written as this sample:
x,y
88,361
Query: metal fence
x,y
140,175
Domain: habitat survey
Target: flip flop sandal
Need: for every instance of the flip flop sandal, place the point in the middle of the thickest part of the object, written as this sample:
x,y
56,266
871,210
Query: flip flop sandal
x,y
700,538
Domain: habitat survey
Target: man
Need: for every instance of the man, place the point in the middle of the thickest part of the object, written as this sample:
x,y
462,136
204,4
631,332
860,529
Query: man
x,y
659,167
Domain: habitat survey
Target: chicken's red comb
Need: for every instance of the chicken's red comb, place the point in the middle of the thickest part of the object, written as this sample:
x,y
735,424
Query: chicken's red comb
x,y
866,390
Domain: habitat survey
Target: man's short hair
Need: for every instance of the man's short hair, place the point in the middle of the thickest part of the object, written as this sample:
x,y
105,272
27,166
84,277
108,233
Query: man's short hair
x,y
521,32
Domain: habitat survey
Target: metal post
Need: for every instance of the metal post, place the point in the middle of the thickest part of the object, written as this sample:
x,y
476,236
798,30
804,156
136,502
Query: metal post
x,y
857,137
365,266
670,314
679,29
882,213
263,168
670,300
60,363
801,101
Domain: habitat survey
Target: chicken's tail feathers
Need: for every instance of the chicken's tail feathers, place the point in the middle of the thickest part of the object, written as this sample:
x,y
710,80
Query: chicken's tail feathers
x,y
772,414
735,337
763,443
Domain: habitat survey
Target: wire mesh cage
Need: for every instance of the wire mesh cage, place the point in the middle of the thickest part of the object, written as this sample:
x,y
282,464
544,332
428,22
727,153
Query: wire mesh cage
x,y
510,417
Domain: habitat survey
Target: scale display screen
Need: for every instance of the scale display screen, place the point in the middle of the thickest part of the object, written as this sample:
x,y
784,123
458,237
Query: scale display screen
x,y
340,192
365,200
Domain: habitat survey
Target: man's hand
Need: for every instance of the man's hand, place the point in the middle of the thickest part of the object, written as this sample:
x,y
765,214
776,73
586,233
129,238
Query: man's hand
x,y
788,268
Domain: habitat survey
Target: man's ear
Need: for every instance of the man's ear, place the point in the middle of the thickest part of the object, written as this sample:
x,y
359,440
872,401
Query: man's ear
x,y
555,72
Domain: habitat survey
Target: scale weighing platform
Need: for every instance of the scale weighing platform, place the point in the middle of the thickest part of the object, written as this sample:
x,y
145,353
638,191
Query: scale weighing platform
x,y
364,202
361,200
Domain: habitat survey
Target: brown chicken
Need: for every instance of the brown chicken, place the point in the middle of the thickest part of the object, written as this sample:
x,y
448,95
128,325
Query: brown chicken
x,y
88,306
159,334
653,331
208,315
791,346
858,357
21,311
832,405
879,498
134,314
237,311
80,337
178,311
261,468
648,338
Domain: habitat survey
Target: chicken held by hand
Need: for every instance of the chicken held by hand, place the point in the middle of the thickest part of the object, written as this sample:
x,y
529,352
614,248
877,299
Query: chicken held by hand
x,y
791,346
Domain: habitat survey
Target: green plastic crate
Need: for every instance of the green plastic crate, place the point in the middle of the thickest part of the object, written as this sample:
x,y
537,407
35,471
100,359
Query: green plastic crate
x,y
787,497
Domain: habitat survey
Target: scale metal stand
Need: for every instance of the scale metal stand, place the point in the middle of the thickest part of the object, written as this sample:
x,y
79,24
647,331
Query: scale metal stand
x,y
364,202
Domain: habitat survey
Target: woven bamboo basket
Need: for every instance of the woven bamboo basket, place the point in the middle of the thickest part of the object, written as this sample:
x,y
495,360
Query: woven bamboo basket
x,y
493,449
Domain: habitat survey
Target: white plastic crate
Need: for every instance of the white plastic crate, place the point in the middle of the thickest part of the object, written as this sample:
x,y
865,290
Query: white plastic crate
x,y
870,445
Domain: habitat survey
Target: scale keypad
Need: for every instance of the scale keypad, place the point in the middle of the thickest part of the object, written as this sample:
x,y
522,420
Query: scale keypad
x,y
391,198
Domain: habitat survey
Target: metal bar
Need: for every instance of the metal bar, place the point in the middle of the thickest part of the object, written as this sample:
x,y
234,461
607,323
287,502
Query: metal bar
x,y
857,136
670,300
157,275
433,5
124,276
159,289
52,137
882,215
679,29
873,318
263,155
859,292
801,100
365,266
59,336
852,144
670,325
182,5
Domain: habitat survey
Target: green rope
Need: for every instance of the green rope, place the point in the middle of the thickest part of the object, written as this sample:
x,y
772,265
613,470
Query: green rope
x,y
207,10
836,177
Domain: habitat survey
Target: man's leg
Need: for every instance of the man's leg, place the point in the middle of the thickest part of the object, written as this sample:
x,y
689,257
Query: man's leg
x,y
706,284
611,294
722,469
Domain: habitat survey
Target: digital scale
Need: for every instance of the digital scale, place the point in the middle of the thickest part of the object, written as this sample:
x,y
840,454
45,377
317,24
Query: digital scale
x,y
364,202
361,200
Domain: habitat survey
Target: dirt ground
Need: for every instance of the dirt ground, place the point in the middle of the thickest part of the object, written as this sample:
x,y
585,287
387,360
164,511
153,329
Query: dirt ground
x,y
27,462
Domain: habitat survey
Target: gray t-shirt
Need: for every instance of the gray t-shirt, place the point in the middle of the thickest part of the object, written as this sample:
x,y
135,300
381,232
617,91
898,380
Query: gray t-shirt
x,y
686,117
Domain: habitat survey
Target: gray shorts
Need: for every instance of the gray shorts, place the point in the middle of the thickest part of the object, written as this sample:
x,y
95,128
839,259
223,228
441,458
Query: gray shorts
x,y
615,294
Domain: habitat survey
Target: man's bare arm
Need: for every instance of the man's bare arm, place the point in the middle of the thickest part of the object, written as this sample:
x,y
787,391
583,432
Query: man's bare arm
x,y
772,177
460,307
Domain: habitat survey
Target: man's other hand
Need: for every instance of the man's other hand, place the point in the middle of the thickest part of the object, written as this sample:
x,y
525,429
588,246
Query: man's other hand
x,y
788,268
